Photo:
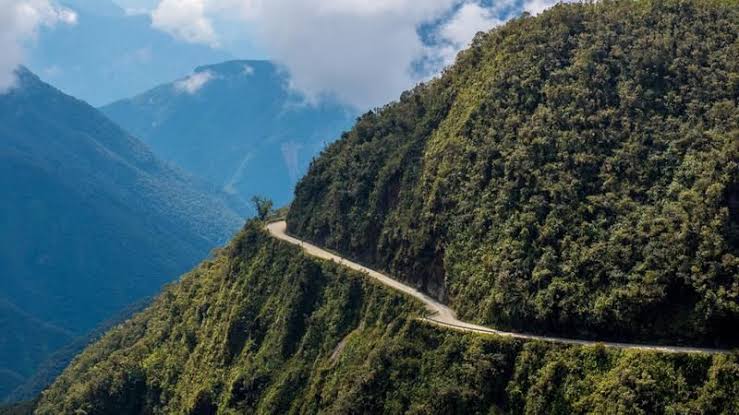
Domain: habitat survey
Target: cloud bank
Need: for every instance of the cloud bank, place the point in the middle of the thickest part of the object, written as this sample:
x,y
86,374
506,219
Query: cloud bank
x,y
360,52
186,20
19,24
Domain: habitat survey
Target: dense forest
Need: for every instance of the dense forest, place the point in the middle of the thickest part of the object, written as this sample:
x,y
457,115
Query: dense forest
x,y
261,328
573,173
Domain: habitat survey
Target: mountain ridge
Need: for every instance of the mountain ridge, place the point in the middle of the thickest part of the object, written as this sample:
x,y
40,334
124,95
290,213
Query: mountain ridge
x,y
91,221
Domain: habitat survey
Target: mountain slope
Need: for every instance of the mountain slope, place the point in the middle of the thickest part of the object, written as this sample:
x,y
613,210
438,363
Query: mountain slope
x,y
109,54
27,340
234,124
55,359
574,173
263,329
90,221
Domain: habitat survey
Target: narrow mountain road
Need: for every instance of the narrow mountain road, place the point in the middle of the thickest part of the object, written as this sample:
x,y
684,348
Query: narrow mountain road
x,y
442,315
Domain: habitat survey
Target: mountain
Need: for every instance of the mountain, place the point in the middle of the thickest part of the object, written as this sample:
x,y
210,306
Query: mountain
x,y
234,124
55,359
575,173
90,221
27,340
108,53
262,327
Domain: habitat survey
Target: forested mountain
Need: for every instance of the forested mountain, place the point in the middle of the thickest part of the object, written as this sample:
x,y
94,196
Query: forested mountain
x,y
109,53
262,328
574,173
234,124
90,221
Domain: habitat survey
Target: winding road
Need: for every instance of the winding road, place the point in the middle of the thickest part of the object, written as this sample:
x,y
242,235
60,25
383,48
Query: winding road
x,y
441,315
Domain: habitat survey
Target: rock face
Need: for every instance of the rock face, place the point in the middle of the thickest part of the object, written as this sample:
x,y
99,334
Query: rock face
x,y
569,174
90,220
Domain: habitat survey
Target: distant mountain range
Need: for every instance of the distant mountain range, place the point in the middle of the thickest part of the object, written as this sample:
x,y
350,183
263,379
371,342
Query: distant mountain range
x,y
90,222
236,124
108,54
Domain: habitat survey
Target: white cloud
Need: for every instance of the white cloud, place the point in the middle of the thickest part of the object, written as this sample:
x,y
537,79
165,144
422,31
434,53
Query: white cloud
x,y
356,50
537,6
359,51
469,19
186,20
19,23
457,33
194,82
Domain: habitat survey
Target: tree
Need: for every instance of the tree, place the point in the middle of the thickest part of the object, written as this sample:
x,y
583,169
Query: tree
x,y
263,206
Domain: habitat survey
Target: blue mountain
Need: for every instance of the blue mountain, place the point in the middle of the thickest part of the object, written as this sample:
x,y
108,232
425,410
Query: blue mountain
x,y
236,124
90,222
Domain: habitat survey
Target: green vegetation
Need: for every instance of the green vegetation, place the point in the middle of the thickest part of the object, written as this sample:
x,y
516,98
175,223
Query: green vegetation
x,y
263,207
573,173
263,329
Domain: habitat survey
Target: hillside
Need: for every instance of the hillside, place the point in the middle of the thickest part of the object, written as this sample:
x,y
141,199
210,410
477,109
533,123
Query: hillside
x,y
90,221
233,124
576,173
54,360
17,326
262,328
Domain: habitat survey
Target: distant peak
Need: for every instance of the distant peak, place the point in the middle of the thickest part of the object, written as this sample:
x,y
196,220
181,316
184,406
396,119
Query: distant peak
x,y
24,77
23,72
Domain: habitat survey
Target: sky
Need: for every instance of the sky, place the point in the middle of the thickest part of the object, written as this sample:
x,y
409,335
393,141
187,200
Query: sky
x,y
361,52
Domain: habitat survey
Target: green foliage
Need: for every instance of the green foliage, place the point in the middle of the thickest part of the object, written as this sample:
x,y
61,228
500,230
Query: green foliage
x,y
241,331
575,172
263,329
263,207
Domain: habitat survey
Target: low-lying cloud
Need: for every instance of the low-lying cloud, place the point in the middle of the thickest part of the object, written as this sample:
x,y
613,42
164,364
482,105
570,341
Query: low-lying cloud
x,y
186,20
194,83
20,21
